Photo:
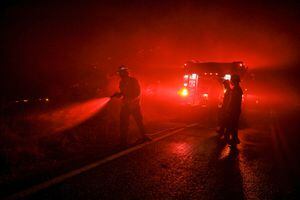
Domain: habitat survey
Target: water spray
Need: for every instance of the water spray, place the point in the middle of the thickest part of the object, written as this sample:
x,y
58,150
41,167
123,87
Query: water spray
x,y
70,116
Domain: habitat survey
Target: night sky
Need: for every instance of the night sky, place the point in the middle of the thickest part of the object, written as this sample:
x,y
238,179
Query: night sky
x,y
46,43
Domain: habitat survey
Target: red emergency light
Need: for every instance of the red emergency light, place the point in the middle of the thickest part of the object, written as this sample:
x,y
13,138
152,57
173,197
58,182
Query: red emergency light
x,y
227,77
205,95
183,92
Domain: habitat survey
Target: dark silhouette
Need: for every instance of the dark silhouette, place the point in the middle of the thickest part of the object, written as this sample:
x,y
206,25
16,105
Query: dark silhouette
x,y
234,111
222,116
130,91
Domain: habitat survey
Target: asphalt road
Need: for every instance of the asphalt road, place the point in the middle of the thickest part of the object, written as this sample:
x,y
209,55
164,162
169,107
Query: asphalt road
x,y
195,164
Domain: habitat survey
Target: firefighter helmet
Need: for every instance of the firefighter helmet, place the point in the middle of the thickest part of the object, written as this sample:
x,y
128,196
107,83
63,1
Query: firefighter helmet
x,y
122,68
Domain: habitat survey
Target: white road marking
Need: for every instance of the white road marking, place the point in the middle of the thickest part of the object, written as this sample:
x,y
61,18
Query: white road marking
x,y
88,167
165,130
191,125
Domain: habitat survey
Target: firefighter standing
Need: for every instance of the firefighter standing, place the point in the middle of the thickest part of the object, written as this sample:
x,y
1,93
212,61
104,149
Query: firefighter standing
x,y
234,110
130,91
223,118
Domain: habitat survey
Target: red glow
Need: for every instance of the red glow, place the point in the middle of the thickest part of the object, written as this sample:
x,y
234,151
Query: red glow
x,y
193,76
180,148
183,92
68,117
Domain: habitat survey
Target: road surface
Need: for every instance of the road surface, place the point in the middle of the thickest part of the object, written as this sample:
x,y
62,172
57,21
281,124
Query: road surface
x,y
195,164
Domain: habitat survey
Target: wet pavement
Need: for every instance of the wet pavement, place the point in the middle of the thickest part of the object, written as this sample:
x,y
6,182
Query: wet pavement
x,y
194,164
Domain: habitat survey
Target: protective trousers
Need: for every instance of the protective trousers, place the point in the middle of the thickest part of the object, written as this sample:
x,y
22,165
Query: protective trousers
x,y
233,125
128,109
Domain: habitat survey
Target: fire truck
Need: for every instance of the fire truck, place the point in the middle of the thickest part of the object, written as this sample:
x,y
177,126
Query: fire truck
x,y
202,81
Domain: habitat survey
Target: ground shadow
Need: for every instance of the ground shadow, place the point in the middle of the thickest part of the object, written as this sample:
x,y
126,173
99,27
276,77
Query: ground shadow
x,y
224,179
228,178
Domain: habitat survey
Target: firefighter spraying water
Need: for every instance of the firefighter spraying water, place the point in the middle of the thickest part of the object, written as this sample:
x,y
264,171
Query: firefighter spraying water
x,y
130,93
70,116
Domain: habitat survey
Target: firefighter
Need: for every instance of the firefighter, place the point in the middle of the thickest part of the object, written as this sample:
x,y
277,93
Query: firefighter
x,y
234,110
130,93
222,117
